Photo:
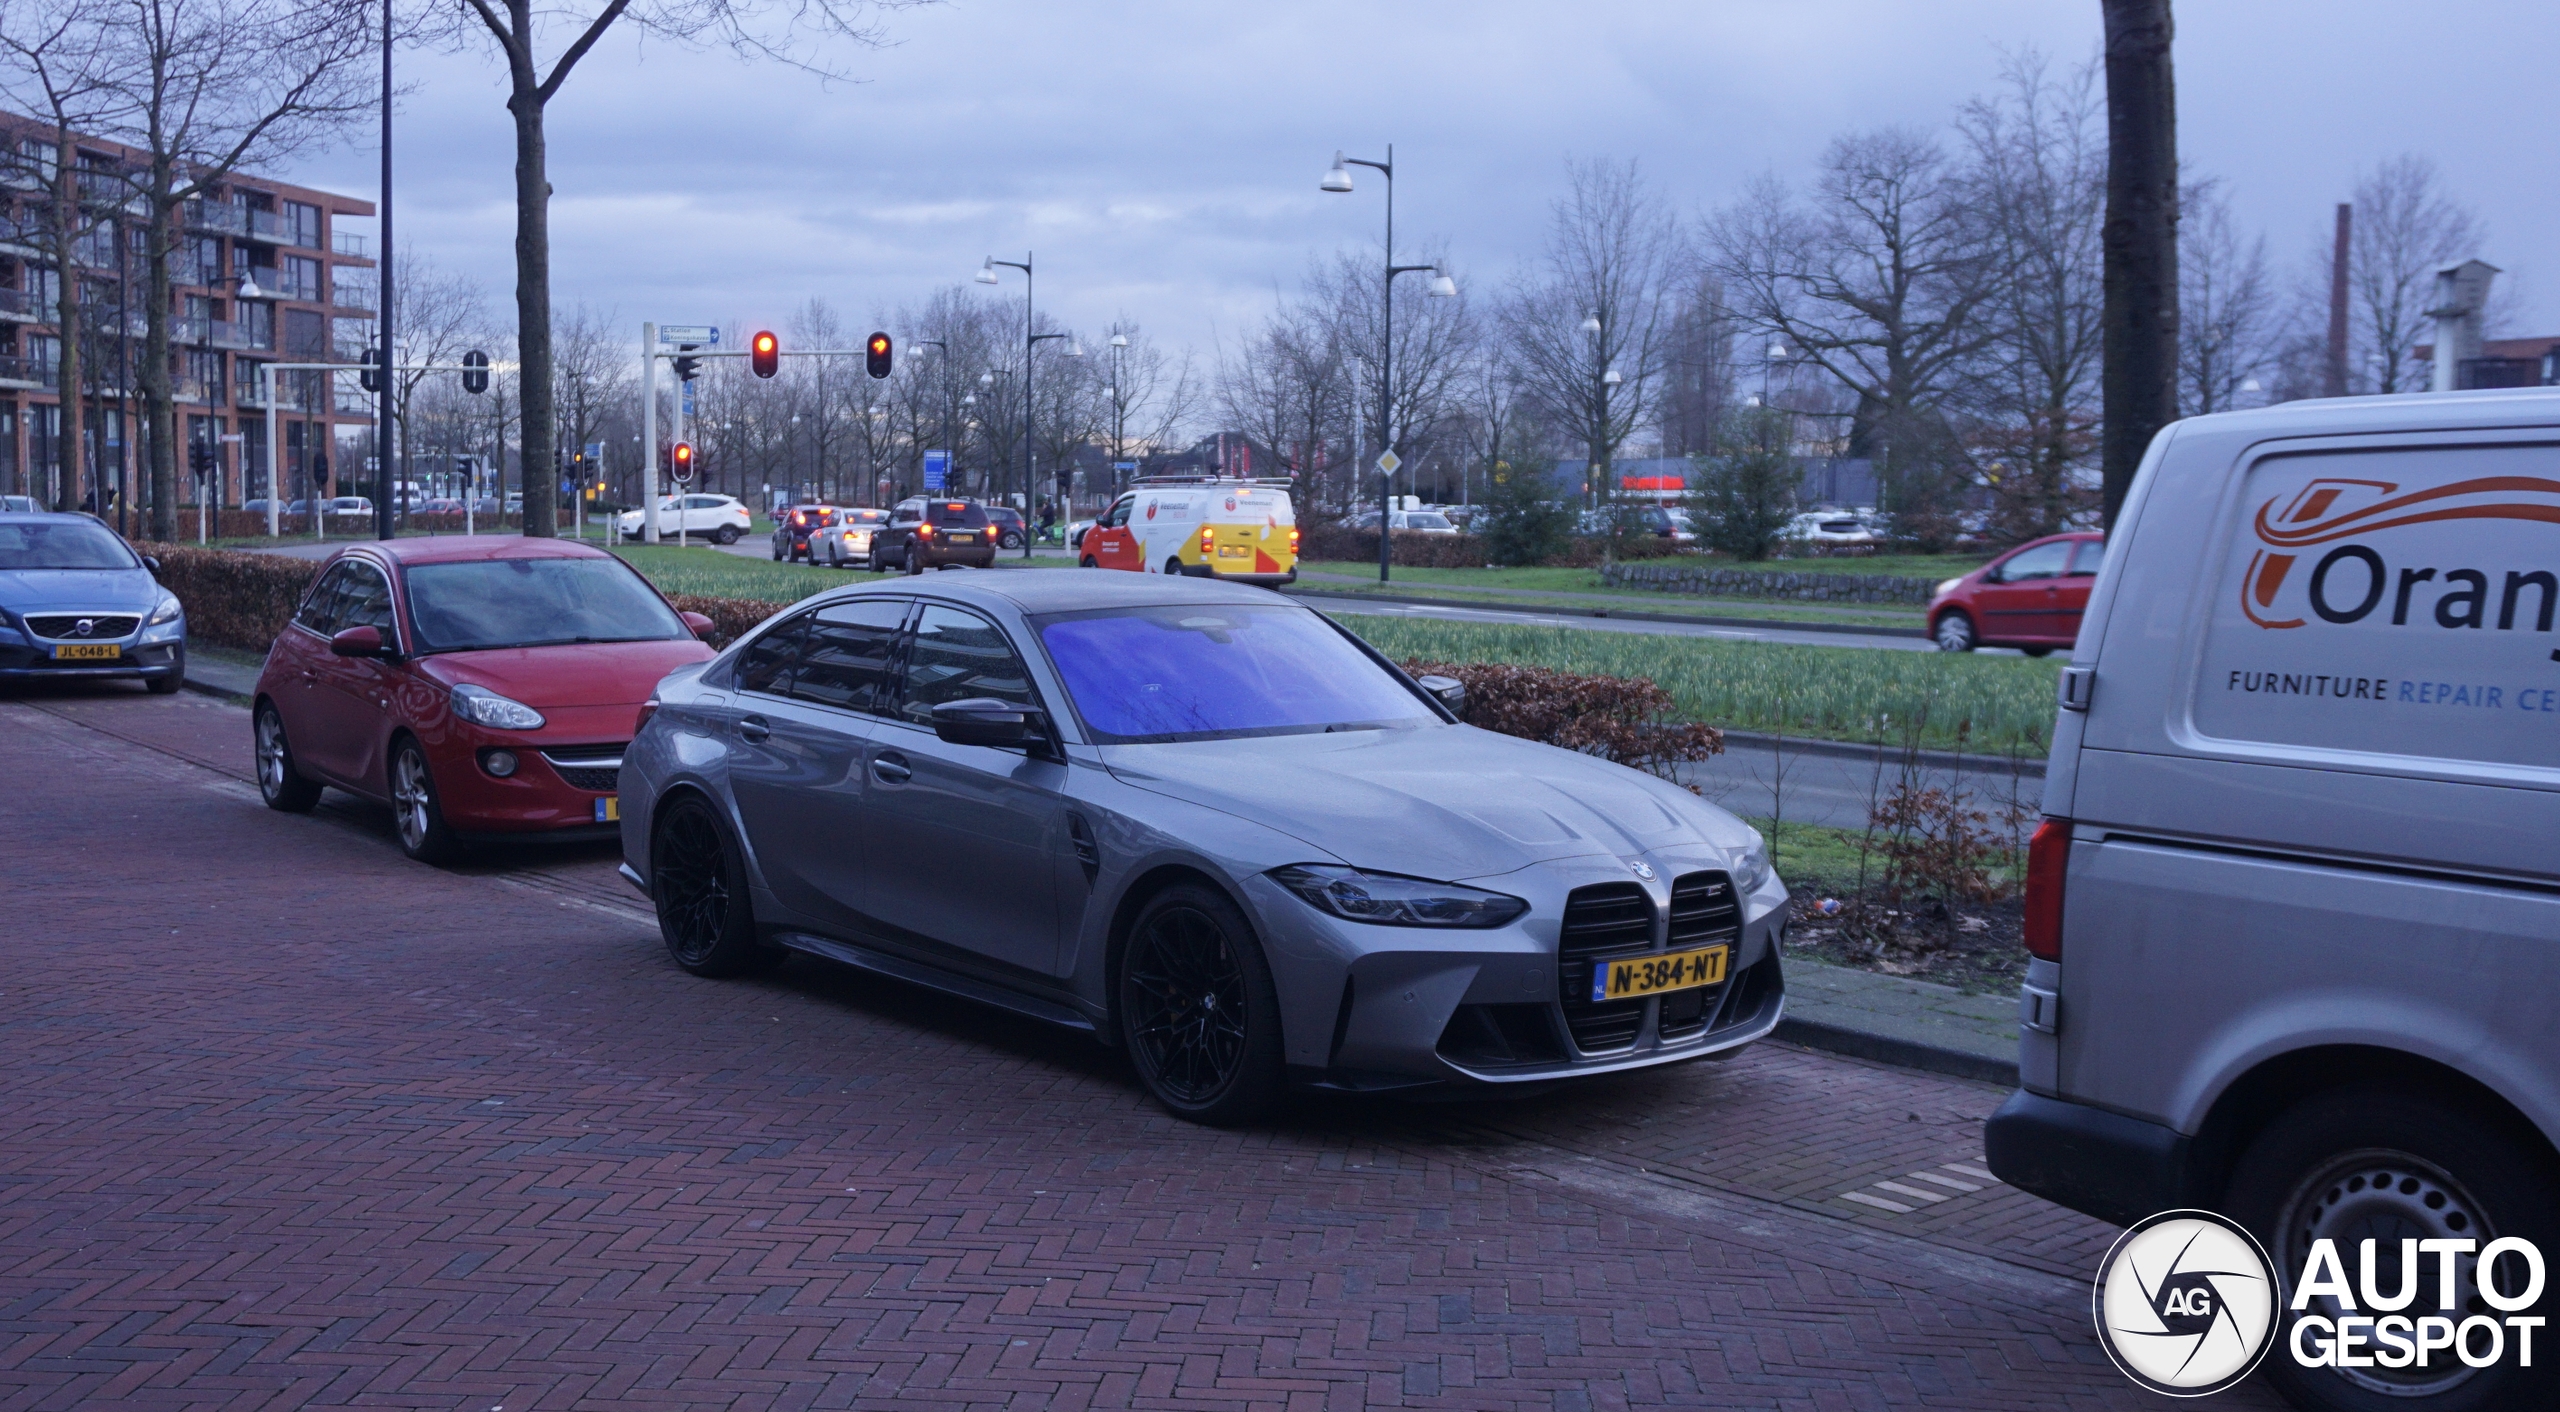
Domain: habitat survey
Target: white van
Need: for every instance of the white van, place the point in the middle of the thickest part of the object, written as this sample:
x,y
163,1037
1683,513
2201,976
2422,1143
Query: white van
x,y
2294,909
1204,526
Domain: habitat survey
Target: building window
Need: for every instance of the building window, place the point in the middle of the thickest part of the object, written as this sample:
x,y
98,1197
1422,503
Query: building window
x,y
204,378
301,277
302,221
257,322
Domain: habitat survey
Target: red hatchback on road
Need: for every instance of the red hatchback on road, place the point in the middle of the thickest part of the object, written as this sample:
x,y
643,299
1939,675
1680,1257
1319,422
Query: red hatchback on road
x,y
2030,598
483,686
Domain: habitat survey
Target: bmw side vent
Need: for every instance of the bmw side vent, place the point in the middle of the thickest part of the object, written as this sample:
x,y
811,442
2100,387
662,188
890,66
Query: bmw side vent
x,y
1088,852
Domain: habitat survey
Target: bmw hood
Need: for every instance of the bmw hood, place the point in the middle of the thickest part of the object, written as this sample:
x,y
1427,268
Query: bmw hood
x,y
56,590
1443,802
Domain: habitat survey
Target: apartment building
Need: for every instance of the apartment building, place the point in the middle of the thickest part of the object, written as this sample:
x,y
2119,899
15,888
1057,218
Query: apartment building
x,y
260,275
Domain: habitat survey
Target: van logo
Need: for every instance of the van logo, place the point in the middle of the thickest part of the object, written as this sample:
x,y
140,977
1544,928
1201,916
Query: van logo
x,y
1151,509
2350,581
1231,502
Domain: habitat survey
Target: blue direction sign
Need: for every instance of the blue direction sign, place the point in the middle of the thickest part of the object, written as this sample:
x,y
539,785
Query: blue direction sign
x,y
937,469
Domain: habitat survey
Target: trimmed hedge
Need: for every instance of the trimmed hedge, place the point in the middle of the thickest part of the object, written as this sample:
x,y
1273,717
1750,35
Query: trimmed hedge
x,y
1337,544
1628,720
1771,583
233,599
238,598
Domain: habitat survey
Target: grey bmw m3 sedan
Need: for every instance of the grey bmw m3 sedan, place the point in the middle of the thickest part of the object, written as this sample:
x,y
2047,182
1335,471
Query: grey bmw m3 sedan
x,y
1201,822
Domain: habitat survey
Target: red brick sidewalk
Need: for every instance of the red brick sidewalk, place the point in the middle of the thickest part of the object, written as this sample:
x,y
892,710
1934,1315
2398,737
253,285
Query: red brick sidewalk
x,y
294,1122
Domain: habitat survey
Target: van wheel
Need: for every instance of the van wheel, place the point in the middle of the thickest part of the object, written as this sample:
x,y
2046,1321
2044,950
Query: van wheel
x,y
1173,566
1954,633
2386,1163
1087,562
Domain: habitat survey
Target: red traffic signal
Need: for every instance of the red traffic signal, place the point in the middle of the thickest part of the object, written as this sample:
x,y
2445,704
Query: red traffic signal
x,y
764,354
682,456
875,355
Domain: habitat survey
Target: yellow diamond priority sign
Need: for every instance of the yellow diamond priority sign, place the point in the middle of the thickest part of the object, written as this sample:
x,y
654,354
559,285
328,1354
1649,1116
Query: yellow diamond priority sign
x,y
1388,461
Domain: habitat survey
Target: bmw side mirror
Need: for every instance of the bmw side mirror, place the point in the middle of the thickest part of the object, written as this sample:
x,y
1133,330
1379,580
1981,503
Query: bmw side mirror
x,y
361,641
983,720
1450,692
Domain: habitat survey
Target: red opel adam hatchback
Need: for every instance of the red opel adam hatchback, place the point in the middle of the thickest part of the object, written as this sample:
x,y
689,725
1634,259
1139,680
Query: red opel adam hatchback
x,y
482,686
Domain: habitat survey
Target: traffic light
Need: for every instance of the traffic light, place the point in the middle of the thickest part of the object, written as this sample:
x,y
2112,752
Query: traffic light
x,y
687,369
875,355
682,456
764,354
320,471
200,460
475,371
371,378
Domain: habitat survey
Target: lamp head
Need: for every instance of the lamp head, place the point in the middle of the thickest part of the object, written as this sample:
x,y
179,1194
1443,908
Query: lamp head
x,y
1339,178
1442,287
1611,378
1591,323
1777,351
987,271
1119,340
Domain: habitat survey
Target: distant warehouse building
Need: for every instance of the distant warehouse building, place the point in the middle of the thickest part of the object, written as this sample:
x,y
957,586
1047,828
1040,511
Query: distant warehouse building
x,y
1843,481
260,275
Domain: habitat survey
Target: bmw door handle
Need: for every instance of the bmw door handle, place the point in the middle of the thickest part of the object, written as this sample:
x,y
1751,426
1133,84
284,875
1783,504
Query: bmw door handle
x,y
753,728
891,768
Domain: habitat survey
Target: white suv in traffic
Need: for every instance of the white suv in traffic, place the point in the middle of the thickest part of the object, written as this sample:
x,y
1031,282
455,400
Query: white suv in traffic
x,y
719,518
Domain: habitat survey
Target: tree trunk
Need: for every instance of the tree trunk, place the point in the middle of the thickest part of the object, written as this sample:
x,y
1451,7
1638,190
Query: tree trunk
x,y
533,314
158,406
2140,240
66,230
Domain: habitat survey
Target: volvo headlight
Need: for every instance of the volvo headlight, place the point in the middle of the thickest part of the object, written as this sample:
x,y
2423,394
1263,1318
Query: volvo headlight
x,y
488,708
167,612
1751,867
1387,900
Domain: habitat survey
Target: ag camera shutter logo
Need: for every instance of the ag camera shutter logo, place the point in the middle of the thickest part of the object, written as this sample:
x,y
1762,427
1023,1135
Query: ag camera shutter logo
x,y
2185,1303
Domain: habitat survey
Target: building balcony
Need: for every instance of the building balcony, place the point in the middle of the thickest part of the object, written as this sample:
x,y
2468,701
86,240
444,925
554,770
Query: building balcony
x,y
349,244
29,373
196,393
20,306
218,216
356,299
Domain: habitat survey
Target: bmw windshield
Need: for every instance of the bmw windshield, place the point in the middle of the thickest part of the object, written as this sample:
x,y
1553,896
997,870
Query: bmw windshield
x,y
1180,673
475,604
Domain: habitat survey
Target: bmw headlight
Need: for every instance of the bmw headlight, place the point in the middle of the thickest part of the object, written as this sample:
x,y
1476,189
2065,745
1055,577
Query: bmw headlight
x,y
1751,867
167,612
1387,900
488,708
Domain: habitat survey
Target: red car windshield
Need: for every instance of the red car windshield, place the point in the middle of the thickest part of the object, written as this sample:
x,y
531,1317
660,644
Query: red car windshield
x,y
476,604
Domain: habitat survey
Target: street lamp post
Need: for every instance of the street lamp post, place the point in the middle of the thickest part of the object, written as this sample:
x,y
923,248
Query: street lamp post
x,y
1030,345
1119,407
1338,179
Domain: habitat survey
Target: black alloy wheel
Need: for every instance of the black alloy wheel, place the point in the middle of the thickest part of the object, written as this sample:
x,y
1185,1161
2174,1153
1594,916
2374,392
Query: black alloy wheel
x,y
914,562
699,884
1198,1012
285,790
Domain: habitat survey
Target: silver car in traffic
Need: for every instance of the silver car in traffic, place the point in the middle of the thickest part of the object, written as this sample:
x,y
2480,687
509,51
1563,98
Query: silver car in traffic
x,y
1202,822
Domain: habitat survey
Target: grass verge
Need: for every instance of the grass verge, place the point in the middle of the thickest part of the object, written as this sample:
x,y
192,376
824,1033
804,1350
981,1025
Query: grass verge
x,y
1943,700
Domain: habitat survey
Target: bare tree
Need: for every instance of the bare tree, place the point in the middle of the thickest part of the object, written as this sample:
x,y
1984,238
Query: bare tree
x,y
1287,387
1148,394
1883,278
2406,226
2229,325
592,365
207,87
1588,330
56,61
2140,241
437,315
2039,171
1697,369
1434,340
784,30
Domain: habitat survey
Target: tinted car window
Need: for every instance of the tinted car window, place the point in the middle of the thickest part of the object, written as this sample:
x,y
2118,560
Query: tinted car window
x,y
766,664
319,611
1191,673
2045,561
960,514
483,603
62,544
845,654
366,600
957,656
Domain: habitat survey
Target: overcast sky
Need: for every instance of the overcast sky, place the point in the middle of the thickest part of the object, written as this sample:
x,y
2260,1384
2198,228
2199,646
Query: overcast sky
x,y
1162,158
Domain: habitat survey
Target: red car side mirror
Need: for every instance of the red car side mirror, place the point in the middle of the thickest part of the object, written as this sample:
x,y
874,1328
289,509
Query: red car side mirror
x,y
702,627
361,641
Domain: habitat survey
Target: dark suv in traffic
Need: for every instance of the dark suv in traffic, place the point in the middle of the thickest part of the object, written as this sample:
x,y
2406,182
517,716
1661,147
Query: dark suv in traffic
x,y
934,534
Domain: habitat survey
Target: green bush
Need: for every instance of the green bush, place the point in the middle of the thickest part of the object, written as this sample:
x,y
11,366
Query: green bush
x,y
233,599
1744,496
1520,525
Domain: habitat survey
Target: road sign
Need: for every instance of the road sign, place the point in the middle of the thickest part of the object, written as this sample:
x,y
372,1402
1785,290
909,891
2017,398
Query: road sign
x,y
1388,461
232,437
937,469
688,400
700,335
1124,467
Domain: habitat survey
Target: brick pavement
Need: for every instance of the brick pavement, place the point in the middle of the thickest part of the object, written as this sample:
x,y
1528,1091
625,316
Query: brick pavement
x,y
294,1122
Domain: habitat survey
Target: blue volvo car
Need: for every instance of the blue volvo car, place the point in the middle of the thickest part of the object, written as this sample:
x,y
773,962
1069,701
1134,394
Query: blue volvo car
x,y
77,603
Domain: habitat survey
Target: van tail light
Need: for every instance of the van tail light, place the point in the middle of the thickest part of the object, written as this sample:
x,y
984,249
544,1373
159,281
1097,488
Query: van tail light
x,y
2047,851
1208,542
1293,542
